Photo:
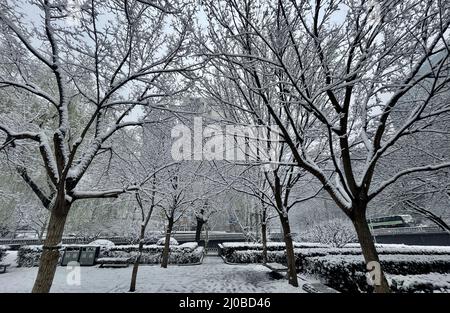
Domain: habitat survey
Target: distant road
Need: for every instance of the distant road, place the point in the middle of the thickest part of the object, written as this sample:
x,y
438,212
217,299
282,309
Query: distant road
x,y
214,237
424,236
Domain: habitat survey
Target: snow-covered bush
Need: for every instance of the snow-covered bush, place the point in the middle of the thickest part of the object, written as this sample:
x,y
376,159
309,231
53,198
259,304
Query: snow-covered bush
x,y
29,256
102,243
192,257
151,254
424,283
346,273
227,248
162,241
252,253
255,256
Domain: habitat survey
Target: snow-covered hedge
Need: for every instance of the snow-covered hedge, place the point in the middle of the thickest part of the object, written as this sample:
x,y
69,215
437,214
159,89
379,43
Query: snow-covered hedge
x,y
403,249
346,272
29,256
255,256
188,253
227,249
252,253
382,250
426,283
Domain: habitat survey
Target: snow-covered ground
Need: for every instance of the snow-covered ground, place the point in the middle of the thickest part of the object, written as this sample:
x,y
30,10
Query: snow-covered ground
x,y
212,276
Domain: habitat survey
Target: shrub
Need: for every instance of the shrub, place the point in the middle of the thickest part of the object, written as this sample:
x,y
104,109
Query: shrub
x,y
335,232
255,256
226,249
29,256
424,283
151,254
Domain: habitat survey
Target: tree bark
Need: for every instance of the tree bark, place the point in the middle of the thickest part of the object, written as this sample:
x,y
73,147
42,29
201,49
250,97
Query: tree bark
x,y
165,256
50,252
198,230
368,249
290,256
137,261
264,240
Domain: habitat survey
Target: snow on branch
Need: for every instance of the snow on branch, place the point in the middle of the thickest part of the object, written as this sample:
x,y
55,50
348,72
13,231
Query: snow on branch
x,y
392,180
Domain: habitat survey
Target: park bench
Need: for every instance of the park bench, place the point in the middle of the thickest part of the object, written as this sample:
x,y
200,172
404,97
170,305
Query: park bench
x,y
278,270
318,288
114,262
3,268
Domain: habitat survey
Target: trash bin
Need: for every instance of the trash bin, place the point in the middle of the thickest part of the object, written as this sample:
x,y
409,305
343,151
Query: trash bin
x,y
88,255
71,254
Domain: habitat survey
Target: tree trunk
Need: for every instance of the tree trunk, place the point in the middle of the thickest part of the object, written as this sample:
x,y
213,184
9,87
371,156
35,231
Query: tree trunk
x,y
206,238
50,252
290,256
198,230
137,261
369,251
264,240
165,256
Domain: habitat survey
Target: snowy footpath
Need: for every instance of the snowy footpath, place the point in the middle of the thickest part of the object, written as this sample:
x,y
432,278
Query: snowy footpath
x,y
212,276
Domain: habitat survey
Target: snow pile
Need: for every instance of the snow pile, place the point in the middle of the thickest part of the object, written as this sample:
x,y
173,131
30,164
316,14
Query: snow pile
x,y
103,243
188,245
172,242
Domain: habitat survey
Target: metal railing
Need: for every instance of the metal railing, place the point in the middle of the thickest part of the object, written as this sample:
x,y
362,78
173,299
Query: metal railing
x,y
406,230
179,236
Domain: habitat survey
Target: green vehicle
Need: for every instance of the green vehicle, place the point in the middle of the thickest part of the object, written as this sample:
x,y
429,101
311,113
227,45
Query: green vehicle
x,y
392,221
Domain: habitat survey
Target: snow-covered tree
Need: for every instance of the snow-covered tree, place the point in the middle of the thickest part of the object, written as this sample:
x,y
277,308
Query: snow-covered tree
x,y
350,65
116,57
336,232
